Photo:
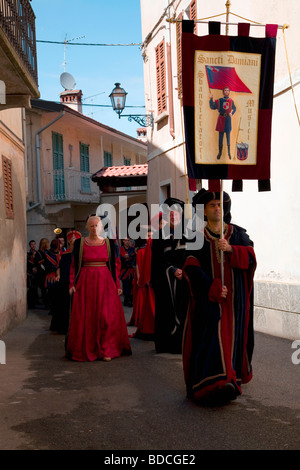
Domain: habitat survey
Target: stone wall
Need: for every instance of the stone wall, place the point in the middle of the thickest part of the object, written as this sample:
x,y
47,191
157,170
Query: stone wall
x,y
277,309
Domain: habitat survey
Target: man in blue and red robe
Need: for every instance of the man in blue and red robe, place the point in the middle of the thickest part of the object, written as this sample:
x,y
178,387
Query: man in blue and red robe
x,y
128,259
226,108
218,339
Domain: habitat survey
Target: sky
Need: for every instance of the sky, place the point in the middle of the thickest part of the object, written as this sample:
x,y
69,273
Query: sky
x,y
95,69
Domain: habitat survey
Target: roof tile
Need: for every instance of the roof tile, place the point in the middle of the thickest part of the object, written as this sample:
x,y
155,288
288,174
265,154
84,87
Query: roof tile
x,y
124,170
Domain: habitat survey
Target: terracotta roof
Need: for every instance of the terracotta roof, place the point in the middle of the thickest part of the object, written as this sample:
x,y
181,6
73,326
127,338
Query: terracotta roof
x,y
122,171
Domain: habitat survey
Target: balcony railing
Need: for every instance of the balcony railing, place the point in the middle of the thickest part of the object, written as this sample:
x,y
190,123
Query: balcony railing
x,y
69,185
17,20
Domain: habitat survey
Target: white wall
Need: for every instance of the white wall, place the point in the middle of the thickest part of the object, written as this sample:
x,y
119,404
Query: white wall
x,y
271,218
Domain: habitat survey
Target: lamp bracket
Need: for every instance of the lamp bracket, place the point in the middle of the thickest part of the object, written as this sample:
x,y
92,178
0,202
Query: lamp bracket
x,y
144,120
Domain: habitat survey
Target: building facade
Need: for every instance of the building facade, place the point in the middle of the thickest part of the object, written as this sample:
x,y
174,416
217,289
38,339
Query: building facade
x,y
64,149
18,73
266,215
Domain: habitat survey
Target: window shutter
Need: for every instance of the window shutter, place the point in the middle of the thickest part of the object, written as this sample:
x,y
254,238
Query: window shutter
x,y
193,13
8,188
179,62
107,159
57,150
160,59
84,158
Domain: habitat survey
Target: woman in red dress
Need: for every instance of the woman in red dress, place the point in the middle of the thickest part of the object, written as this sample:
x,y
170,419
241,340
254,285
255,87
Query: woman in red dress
x,y
97,325
143,294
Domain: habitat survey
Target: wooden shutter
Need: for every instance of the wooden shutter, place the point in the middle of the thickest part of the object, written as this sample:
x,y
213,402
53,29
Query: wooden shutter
x,y
179,61
8,187
160,59
193,13
58,166
107,159
58,152
85,167
84,158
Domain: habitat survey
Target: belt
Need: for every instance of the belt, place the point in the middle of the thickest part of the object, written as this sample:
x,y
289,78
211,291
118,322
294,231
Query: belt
x,y
225,114
95,264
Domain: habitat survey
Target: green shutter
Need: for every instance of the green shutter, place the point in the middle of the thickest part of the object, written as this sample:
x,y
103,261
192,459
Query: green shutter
x,y
107,159
58,166
84,158
85,168
58,153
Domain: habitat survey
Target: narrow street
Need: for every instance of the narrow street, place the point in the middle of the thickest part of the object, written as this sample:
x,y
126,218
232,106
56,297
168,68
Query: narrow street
x,y
137,403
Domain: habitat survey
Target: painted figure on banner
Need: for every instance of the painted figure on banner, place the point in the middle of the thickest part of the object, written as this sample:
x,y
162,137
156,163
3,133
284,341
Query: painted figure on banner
x,y
226,109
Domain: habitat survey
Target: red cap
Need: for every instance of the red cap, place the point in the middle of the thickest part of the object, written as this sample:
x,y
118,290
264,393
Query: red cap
x,y
73,235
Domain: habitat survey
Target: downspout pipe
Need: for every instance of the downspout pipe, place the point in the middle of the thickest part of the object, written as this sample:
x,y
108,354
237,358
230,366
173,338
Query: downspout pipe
x,y
38,161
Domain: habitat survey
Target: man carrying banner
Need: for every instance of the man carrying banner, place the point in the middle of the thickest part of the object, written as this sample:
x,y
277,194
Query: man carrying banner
x,y
226,108
218,337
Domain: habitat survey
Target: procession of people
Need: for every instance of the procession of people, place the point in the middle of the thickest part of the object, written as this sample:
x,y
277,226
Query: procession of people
x,y
194,302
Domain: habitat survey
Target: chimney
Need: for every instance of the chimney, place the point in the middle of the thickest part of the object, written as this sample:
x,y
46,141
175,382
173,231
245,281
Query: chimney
x,y
142,134
72,98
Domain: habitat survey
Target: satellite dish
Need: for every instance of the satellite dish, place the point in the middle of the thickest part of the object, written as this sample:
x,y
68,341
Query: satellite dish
x,y
67,81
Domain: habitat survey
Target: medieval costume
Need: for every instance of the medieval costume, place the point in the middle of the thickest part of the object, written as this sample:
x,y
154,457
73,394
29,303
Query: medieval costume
x,y
171,293
60,316
143,312
226,109
52,258
32,285
219,338
97,324
41,275
127,257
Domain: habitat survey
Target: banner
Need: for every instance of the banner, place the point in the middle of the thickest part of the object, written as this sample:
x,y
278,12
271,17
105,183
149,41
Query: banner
x,y
227,87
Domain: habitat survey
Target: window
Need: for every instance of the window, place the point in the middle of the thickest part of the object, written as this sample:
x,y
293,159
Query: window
x,y
85,168
164,191
127,161
58,166
58,152
8,188
160,60
107,159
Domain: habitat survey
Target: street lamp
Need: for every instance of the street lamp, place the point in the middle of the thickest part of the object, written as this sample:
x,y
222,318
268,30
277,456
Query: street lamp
x,y
118,98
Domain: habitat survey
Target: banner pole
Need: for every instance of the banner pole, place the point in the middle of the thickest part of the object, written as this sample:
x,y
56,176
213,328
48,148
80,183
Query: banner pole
x,y
227,4
222,231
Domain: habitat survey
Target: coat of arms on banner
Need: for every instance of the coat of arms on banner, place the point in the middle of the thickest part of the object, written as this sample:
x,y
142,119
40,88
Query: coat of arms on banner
x,y
226,94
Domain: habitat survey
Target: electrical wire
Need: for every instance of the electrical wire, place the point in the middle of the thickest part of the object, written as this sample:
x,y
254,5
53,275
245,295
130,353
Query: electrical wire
x,y
87,44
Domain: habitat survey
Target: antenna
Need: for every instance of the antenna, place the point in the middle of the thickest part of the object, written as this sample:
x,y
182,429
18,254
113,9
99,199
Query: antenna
x,y
65,45
92,96
67,81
